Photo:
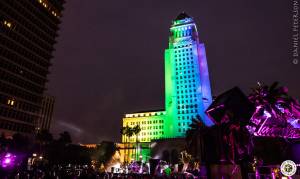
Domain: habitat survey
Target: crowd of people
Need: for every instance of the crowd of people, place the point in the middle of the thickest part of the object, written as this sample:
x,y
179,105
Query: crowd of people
x,y
134,170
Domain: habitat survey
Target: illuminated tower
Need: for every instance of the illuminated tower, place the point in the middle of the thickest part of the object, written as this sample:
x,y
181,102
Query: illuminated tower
x,y
187,85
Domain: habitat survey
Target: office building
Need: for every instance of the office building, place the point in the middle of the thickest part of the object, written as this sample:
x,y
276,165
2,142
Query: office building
x,y
28,29
46,113
187,87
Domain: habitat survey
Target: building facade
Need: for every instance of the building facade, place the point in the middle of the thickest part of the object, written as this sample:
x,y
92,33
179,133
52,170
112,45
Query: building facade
x,y
187,87
151,124
27,35
46,113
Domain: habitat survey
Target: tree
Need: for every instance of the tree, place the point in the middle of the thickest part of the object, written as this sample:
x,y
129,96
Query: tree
x,y
44,137
65,138
105,151
20,143
276,112
195,138
136,130
128,133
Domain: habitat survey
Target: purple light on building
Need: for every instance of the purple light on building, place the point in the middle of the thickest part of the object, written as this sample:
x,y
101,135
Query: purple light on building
x,y
286,125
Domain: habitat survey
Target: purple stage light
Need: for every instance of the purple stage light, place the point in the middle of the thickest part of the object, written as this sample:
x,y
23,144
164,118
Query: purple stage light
x,y
7,160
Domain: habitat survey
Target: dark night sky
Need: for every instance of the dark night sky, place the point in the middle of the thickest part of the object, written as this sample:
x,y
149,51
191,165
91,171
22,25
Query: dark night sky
x,y
110,55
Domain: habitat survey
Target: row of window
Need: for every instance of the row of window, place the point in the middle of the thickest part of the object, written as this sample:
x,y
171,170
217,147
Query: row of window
x,y
186,86
45,24
186,91
189,96
184,123
184,33
183,117
179,77
184,72
152,133
182,46
183,96
33,26
11,78
180,64
145,139
41,10
187,106
190,100
17,115
19,93
152,127
27,76
6,42
30,36
9,125
146,122
183,54
16,62
54,9
154,122
28,45
19,104
185,67
185,81
145,114
49,8
183,50
187,111
185,60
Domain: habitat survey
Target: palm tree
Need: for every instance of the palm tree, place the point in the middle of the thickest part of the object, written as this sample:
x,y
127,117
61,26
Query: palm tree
x,y
274,107
268,99
128,133
195,138
123,132
136,130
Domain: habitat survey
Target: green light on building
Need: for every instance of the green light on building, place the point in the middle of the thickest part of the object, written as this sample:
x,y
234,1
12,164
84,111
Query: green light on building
x,y
187,87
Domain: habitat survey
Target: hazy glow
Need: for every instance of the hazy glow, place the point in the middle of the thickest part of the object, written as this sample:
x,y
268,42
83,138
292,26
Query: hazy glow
x,y
7,160
70,126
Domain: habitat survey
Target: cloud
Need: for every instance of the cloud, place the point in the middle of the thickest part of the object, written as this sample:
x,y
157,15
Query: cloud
x,y
69,126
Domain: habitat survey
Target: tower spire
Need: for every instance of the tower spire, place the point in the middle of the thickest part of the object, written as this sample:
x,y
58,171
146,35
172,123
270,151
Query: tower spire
x,y
182,15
